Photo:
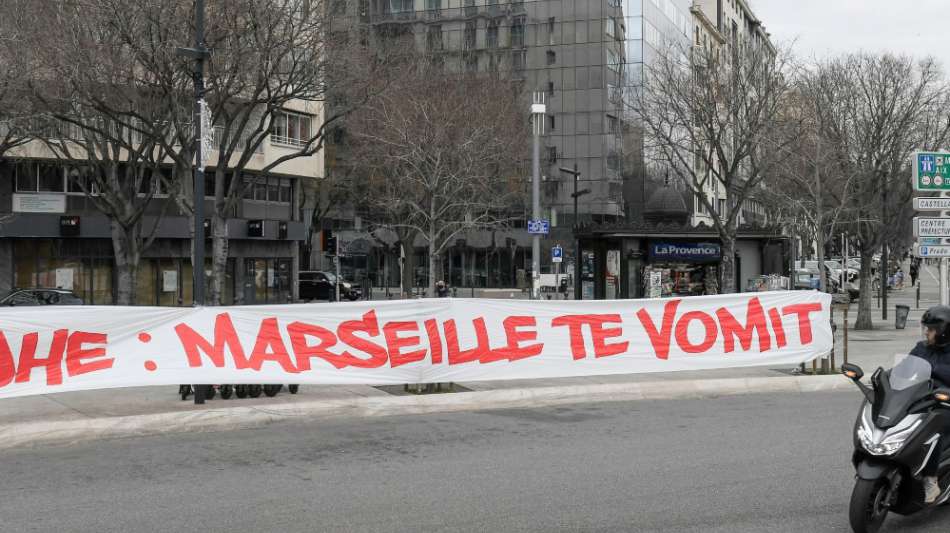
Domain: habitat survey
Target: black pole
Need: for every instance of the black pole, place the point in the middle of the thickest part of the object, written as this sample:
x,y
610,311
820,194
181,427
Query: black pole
x,y
577,243
199,53
199,244
884,259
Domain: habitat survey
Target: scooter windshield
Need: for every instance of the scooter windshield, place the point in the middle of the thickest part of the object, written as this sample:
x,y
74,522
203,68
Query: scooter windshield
x,y
909,371
898,389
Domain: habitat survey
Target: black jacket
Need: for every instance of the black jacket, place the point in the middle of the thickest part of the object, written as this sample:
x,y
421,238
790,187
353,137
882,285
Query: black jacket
x,y
939,359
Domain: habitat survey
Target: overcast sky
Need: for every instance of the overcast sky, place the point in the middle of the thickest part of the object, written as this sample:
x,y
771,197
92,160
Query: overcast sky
x,y
826,27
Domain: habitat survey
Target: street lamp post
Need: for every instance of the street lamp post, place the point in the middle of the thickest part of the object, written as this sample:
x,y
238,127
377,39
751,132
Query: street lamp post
x,y
199,53
577,243
538,111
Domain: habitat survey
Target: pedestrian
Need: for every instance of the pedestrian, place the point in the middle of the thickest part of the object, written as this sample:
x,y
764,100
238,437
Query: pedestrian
x,y
914,271
441,289
899,279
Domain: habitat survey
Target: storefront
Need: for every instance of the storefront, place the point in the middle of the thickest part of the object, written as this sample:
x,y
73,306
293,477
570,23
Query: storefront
x,y
647,261
681,269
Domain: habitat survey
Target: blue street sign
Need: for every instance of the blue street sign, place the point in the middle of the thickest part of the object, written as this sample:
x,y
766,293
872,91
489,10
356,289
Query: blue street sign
x,y
557,254
539,227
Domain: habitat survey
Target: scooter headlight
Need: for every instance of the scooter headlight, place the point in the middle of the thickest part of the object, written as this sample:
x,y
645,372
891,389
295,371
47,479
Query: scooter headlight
x,y
889,442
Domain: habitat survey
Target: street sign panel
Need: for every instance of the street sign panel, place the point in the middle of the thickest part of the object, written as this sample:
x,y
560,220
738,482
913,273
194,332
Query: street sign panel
x,y
931,171
933,241
557,254
931,227
543,227
932,251
932,204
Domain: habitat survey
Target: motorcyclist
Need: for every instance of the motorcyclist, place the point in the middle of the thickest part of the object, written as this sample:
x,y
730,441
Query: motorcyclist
x,y
936,350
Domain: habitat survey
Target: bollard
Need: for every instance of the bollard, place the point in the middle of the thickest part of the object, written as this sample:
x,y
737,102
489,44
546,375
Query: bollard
x,y
845,336
199,394
918,295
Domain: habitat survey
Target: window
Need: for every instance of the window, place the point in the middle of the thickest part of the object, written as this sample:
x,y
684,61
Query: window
x,y
519,59
292,129
491,35
158,184
50,178
517,32
470,8
613,125
269,189
469,35
26,177
613,160
551,88
552,154
552,57
434,38
613,60
39,177
551,122
471,63
551,26
651,34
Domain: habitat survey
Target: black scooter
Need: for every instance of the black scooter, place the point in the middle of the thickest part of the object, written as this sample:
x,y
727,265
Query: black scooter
x,y
895,435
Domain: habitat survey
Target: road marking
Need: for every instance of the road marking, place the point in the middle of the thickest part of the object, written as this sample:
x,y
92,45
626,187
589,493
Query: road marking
x,y
927,268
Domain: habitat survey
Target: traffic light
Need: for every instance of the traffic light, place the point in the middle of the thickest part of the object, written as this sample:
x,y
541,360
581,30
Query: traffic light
x,y
329,242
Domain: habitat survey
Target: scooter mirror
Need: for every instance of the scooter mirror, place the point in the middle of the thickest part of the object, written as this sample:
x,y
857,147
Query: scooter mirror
x,y
852,371
942,395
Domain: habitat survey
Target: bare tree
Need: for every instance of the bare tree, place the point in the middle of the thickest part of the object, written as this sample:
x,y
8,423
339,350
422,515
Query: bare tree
x,y
712,115
270,57
877,109
103,117
439,153
16,65
806,189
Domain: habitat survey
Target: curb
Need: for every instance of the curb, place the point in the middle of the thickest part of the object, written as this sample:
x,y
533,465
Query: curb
x,y
28,434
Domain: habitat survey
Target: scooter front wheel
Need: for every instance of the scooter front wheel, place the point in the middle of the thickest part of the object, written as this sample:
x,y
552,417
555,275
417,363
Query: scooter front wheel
x,y
869,505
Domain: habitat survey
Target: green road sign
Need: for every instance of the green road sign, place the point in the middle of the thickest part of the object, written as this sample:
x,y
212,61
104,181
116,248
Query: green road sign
x,y
931,171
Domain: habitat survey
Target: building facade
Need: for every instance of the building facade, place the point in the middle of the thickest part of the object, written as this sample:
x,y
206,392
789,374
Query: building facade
x,y
53,235
587,57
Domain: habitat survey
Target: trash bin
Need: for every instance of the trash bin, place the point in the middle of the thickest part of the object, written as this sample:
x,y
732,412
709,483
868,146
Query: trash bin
x,y
900,316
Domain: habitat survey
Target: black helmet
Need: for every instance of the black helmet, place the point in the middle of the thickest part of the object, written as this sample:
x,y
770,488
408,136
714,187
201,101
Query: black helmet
x,y
938,318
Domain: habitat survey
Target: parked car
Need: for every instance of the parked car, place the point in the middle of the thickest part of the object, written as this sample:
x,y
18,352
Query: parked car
x,y
319,285
804,280
40,296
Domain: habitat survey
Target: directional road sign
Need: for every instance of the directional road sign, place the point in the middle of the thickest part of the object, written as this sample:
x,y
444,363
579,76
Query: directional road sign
x,y
557,254
932,204
932,251
933,241
931,171
931,227
543,227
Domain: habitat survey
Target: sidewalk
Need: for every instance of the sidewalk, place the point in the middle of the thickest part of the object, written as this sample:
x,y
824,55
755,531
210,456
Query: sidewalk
x,y
79,416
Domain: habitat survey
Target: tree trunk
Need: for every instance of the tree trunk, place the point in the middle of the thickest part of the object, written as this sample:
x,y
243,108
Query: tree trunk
x,y
126,245
433,271
727,264
408,269
822,276
433,261
219,258
864,301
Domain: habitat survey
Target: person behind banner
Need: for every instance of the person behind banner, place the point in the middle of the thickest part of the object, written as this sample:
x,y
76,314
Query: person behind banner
x,y
441,289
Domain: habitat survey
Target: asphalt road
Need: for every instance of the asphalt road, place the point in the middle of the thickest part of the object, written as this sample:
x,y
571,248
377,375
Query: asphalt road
x,y
753,463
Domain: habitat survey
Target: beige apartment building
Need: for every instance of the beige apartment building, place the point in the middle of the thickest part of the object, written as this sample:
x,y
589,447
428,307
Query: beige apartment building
x,y
53,235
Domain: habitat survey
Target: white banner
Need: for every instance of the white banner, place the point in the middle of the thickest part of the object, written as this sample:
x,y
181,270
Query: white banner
x,y
45,350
